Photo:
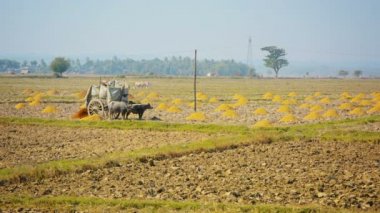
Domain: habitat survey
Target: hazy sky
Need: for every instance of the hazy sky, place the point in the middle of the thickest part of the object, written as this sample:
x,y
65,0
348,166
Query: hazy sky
x,y
309,30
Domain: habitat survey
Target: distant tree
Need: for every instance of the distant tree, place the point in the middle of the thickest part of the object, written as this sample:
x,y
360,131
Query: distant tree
x,y
6,64
33,63
59,65
42,66
274,59
343,73
25,63
358,73
252,72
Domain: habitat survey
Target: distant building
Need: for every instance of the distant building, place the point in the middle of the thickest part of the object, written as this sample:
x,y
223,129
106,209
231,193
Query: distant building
x,y
211,74
24,70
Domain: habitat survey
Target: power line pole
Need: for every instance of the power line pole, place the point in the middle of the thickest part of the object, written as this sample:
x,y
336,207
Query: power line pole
x,y
195,81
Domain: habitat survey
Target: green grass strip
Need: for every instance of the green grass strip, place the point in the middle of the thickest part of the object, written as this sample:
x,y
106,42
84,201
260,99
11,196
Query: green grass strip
x,y
128,124
53,168
96,204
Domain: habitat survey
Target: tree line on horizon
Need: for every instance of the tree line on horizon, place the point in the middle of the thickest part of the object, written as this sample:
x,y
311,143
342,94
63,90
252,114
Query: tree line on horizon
x,y
183,66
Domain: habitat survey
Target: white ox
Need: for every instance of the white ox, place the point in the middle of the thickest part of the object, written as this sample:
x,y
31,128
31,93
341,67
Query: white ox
x,y
142,84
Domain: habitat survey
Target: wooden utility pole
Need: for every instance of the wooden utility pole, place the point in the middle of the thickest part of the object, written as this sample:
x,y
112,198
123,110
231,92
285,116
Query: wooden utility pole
x,y
195,81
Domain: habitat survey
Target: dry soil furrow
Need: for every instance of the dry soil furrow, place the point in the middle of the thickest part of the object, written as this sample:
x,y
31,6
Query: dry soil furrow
x,y
29,144
329,173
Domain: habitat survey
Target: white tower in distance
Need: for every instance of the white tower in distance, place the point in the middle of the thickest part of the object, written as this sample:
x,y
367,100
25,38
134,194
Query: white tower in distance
x,y
250,70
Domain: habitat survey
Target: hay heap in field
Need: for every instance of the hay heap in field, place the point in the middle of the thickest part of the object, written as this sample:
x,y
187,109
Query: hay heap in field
x,y
229,113
29,99
196,116
361,95
345,95
223,107
376,100
309,98
304,106
268,96
177,101
292,94
317,94
237,96
345,106
262,124
277,99
213,100
80,114
20,106
49,109
174,109
312,116
201,96
375,96
241,102
152,96
365,103
289,118
358,98
290,101
94,117
316,108
357,111
284,109
331,113
38,96
260,111
162,107
325,100
375,109
35,103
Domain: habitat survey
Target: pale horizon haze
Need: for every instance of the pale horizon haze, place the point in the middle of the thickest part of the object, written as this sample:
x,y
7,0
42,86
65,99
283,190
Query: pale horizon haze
x,y
339,33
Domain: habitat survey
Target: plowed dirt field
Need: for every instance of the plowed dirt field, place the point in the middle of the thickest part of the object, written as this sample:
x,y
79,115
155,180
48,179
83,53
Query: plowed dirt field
x,y
334,174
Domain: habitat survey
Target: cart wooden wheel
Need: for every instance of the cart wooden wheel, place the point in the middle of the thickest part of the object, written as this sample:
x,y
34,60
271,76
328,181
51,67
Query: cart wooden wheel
x,y
96,107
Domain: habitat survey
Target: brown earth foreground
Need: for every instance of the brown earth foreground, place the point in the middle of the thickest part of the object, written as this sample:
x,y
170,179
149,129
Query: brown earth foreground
x,y
28,144
336,174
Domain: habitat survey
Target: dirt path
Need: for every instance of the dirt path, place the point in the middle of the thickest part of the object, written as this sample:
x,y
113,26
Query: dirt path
x,y
329,173
28,144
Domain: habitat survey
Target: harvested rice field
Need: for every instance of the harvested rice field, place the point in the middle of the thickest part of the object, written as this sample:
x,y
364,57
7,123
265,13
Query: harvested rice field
x,y
267,145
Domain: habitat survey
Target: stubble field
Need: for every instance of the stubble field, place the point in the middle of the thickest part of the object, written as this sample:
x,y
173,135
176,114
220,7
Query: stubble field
x,y
221,162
